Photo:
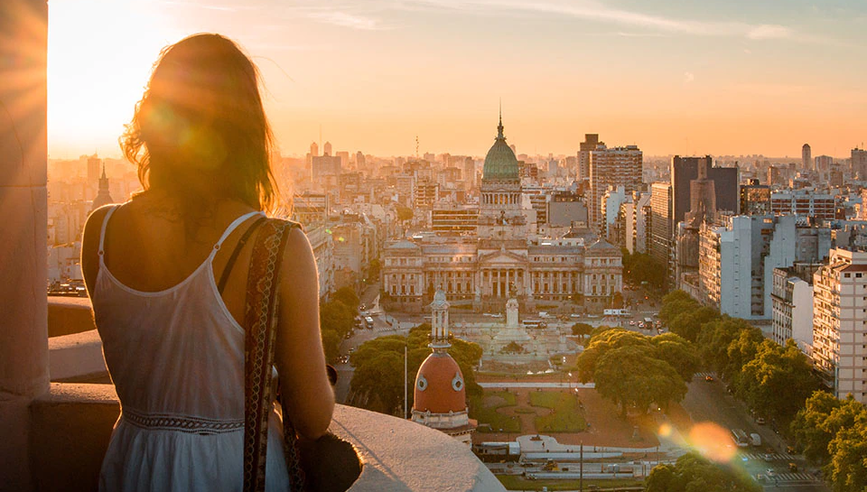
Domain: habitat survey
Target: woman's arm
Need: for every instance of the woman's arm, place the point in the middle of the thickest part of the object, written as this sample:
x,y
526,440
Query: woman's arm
x,y
308,397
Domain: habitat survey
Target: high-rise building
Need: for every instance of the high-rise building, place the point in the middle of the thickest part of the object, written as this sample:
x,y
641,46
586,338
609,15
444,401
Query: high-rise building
x,y
823,163
93,169
591,140
755,199
326,149
684,170
806,157
660,237
617,166
807,203
314,149
792,303
359,159
859,163
839,328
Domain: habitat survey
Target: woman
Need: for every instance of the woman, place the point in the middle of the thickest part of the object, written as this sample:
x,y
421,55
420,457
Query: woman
x,y
173,341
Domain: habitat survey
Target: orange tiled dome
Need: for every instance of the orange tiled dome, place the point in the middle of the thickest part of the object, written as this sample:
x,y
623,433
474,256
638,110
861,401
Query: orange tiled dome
x,y
439,386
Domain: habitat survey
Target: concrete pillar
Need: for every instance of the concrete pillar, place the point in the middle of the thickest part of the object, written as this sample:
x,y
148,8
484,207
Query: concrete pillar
x,y
23,230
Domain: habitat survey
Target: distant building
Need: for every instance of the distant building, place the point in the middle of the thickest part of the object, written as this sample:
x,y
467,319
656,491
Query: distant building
x,y
451,219
439,393
102,196
755,199
859,163
566,209
93,169
616,166
805,202
660,240
737,260
839,304
591,140
806,159
684,170
310,208
792,305
326,149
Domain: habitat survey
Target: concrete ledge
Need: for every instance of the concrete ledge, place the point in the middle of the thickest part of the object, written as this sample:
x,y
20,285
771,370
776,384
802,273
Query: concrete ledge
x,y
72,424
69,433
76,355
400,455
68,315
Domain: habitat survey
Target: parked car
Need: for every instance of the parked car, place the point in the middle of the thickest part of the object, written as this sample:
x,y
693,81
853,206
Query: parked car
x,y
760,420
709,379
793,467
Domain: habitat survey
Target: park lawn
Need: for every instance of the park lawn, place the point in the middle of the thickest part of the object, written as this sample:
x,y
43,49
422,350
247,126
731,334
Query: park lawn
x,y
490,415
515,482
566,416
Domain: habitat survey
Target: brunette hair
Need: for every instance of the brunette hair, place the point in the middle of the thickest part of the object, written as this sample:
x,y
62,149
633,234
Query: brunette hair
x,y
200,131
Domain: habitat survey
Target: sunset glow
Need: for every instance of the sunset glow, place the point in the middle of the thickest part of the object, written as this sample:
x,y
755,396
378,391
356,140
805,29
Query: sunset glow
x,y
711,77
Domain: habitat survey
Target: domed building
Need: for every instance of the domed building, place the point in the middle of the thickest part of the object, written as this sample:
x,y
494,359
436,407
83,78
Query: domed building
x,y
501,211
506,259
440,396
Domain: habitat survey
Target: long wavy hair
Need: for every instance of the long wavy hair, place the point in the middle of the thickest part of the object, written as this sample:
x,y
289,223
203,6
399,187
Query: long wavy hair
x,y
200,132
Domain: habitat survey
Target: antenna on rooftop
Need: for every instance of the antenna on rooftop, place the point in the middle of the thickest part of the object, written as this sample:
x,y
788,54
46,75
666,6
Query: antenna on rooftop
x,y
416,146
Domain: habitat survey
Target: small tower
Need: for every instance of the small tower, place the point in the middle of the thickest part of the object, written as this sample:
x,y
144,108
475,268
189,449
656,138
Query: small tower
x,y
439,396
103,197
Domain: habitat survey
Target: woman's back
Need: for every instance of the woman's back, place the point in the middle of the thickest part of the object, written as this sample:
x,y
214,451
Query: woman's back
x,y
171,344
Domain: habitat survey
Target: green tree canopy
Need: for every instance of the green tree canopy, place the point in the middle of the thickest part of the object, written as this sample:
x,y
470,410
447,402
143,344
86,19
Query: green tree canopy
x,y
679,353
347,296
336,316
331,345
641,267
582,329
714,341
695,473
847,470
777,381
814,427
631,377
602,342
688,324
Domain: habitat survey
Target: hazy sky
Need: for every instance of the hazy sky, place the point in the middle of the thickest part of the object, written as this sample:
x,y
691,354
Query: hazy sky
x,y
676,76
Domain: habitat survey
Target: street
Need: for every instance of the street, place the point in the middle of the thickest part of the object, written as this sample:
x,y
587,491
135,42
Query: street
x,y
709,402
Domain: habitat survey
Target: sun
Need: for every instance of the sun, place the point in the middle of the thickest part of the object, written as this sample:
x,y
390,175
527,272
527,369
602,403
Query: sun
x,y
100,55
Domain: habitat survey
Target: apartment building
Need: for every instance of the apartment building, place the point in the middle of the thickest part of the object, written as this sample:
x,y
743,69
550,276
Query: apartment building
x,y
617,166
840,323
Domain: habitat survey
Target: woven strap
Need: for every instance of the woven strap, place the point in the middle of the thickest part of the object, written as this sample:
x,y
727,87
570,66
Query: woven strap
x,y
260,322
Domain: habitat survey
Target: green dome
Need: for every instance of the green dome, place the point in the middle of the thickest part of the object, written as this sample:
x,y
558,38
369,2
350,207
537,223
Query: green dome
x,y
501,163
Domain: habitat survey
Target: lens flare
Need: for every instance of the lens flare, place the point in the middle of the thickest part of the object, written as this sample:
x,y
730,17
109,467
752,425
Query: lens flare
x,y
712,441
665,430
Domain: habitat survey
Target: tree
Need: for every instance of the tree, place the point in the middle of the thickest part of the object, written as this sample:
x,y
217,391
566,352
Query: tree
x,y
403,213
601,342
632,378
814,427
847,470
688,324
671,310
679,353
641,267
617,301
331,345
337,316
373,270
777,381
582,329
714,340
347,296
693,473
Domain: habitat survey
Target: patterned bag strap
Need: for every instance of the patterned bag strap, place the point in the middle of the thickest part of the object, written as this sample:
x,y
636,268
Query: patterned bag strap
x,y
260,322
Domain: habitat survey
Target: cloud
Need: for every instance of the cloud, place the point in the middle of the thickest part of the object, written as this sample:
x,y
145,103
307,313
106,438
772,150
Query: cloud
x,y
769,31
594,10
688,77
748,51
345,19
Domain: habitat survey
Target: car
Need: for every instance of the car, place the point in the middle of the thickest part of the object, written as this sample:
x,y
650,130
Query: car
x,y
793,467
760,420
709,379
575,316
770,472
632,322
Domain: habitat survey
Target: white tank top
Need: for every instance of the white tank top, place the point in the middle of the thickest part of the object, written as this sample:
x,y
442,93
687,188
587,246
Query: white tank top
x,y
176,357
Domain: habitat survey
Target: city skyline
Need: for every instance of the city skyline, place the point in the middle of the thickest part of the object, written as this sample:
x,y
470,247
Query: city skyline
x,y
733,78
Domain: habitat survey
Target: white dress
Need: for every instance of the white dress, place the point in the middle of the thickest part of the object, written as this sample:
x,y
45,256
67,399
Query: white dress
x,y
176,358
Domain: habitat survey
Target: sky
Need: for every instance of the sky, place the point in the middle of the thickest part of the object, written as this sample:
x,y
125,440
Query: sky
x,y
730,77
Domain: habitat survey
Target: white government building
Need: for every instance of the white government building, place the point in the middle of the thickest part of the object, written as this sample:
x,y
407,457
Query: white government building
x,y
505,259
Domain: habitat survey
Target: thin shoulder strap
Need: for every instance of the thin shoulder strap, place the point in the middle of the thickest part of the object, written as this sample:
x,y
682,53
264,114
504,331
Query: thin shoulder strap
x,y
111,210
231,262
235,223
